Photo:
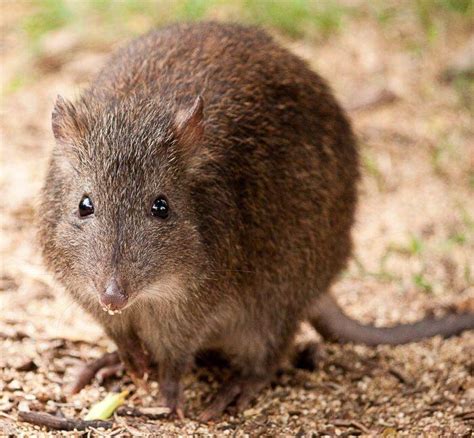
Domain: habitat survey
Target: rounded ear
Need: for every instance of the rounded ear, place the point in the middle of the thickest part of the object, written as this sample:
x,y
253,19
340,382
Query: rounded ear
x,y
64,120
189,126
66,125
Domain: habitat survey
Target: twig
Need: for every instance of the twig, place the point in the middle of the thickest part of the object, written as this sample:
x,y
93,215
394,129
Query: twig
x,y
151,413
58,423
352,423
371,99
465,416
3,414
402,377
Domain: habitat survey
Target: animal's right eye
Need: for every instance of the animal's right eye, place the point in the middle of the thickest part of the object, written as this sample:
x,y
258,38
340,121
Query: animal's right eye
x,y
86,207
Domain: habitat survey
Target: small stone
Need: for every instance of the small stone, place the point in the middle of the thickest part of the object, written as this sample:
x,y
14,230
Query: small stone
x,y
24,406
6,406
251,412
14,385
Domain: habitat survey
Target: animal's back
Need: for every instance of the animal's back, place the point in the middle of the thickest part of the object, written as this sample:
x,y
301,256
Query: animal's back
x,y
283,161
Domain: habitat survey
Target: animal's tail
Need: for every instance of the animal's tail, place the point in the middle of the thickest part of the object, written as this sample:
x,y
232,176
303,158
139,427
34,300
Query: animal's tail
x,y
333,324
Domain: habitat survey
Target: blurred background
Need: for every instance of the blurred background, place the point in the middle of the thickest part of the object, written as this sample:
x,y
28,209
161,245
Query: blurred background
x,y
404,71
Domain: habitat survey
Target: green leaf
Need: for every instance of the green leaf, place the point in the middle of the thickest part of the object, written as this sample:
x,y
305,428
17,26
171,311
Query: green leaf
x,y
105,408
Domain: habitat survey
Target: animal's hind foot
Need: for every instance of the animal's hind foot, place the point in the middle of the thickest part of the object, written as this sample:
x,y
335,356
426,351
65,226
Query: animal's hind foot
x,y
307,356
238,390
106,366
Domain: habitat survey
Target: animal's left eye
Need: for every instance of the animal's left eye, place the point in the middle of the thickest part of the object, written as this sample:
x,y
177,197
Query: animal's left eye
x,y
86,207
160,208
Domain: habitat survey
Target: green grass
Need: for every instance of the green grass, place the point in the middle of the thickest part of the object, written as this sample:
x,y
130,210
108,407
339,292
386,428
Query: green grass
x,y
294,18
467,219
421,282
420,252
382,274
15,84
446,153
439,155
371,167
385,14
434,14
49,15
414,246
464,86
468,274
290,17
458,238
471,179
434,19
192,10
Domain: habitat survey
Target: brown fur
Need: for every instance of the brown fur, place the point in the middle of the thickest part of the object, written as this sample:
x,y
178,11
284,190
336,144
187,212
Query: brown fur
x,y
261,181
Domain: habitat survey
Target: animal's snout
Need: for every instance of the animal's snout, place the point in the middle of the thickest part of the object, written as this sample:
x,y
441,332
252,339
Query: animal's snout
x,y
114,298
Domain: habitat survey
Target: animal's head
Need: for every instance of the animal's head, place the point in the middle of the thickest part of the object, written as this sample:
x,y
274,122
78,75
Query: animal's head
x,y
117,216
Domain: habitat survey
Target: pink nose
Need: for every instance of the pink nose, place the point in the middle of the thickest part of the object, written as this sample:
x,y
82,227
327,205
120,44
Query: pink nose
x,y
114,297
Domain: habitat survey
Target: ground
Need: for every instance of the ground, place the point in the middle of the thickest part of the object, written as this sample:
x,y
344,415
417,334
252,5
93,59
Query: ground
x,y
414,238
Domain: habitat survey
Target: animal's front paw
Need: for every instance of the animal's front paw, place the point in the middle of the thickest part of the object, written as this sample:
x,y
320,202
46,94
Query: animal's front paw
x,y
169,378
136,359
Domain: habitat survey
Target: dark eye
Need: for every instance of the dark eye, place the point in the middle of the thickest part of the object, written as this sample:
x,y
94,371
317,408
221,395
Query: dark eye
x,y
86,208
160,208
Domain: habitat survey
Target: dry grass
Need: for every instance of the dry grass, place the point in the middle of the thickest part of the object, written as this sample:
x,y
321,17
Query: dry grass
x,y
414,236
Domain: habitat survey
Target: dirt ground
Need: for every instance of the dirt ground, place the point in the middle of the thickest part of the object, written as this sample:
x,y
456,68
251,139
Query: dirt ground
x,y
414,246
